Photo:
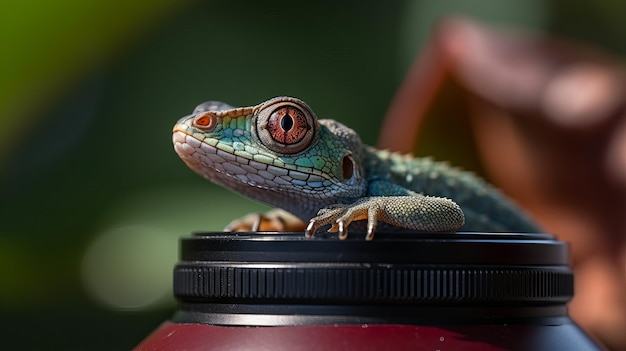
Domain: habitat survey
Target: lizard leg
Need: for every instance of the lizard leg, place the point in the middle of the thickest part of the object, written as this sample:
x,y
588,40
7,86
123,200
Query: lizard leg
x,y
275,220
416,212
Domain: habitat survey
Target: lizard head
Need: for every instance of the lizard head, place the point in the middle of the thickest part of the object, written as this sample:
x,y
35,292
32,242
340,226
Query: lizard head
x,y
277,152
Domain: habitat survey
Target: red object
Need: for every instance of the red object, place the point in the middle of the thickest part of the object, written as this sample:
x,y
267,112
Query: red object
x,y
196,337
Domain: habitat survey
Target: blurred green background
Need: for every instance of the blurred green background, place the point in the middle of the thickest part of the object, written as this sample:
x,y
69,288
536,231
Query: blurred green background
x,y
94,197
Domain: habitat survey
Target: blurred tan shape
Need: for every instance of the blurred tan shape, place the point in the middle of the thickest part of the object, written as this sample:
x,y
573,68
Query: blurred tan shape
x,y
549,123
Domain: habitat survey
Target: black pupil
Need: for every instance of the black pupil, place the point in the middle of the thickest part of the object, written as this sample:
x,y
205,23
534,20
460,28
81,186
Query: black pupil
x,y
286,122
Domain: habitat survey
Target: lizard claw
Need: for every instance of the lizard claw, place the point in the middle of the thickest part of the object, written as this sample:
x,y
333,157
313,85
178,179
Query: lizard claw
x,y
311,228
343,229
326,216
371,226
339,217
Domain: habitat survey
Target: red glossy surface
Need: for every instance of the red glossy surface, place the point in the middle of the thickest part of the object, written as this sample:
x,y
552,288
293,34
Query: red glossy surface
x,y
194,337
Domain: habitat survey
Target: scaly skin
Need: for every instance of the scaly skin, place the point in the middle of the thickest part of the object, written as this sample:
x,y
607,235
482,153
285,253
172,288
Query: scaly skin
x,y
280,154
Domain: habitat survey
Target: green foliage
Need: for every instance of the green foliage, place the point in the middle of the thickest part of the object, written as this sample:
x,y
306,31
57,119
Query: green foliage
x,y
47,45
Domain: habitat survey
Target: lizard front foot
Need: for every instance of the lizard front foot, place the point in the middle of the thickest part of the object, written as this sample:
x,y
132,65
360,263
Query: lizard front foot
x,y
416,212
275,220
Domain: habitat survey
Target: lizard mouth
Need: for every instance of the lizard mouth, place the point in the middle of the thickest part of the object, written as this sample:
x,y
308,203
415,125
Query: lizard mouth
x,y
204,159
226,168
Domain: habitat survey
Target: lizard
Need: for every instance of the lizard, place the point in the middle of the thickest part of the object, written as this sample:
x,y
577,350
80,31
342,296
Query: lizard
x,y
278,152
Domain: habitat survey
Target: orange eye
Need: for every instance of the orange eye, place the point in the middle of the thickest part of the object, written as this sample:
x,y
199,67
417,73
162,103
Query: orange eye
x,y
205,121
287,125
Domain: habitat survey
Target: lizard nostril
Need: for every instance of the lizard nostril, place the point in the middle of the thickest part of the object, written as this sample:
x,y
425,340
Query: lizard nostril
x,y
347,165
205,121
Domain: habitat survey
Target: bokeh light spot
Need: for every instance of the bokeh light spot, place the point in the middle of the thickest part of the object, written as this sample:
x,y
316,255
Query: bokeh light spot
x,y
124,268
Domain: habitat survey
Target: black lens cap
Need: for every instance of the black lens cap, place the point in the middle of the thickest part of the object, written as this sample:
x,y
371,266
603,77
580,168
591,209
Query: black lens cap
x,y
483,269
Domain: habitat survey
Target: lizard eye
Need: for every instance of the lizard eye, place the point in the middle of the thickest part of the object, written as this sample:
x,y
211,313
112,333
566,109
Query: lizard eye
x,y
285,126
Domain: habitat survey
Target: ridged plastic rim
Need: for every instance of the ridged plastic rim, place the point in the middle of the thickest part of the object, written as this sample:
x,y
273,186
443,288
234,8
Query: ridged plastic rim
x,y
413,269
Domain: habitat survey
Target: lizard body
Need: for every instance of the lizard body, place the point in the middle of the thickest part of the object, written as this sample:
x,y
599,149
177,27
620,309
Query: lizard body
x,y
279,153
